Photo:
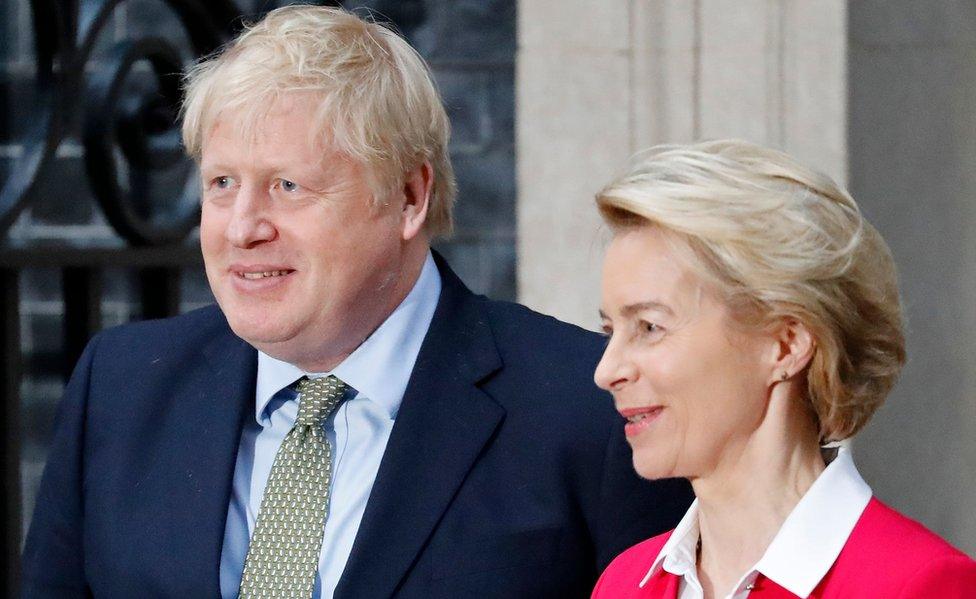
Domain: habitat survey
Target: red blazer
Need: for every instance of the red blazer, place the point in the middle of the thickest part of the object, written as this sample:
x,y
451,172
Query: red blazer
x,y
887,556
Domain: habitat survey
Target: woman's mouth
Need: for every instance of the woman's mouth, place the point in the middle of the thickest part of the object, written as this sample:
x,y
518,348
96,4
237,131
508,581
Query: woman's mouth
x,y
639,419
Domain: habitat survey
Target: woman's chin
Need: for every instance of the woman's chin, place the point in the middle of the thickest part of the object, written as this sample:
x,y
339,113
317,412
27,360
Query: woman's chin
x,y
653,468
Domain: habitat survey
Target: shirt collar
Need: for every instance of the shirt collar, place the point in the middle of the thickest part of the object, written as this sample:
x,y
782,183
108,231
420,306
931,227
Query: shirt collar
x,y
379,369
679,554
817,528
808,542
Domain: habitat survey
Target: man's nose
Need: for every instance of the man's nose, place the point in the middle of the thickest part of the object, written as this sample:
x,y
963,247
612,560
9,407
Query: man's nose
x,y
251,222
615,369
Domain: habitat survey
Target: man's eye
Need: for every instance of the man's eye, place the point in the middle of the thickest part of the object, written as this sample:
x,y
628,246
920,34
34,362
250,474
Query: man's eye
x,y
287,185
222,182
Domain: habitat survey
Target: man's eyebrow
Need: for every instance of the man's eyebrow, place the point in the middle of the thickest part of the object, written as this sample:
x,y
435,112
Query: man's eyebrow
x,y
215,165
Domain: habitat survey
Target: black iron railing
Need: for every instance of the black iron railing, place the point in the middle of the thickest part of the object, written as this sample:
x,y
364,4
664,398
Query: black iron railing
x,y
128,134
81,271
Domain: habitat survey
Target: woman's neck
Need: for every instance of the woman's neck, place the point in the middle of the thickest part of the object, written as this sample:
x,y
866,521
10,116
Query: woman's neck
x,y
745,499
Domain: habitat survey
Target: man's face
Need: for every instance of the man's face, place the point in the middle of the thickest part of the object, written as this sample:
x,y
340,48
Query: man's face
x,y
299,258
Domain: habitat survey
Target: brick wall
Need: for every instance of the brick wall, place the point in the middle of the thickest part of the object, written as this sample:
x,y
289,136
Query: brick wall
x,y
469,43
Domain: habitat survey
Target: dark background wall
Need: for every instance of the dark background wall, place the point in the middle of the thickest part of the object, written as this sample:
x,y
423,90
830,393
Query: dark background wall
x,y
470,45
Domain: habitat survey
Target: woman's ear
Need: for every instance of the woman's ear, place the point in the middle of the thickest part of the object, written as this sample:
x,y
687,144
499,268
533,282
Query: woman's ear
x,y
795,346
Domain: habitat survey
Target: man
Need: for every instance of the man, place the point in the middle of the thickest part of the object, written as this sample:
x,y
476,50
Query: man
x,y
351,421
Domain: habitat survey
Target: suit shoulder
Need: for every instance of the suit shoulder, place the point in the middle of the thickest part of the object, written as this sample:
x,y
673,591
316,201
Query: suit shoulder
x,y
902,554
553,359
196,324
522,326
949,576
175,339
883,525
548,369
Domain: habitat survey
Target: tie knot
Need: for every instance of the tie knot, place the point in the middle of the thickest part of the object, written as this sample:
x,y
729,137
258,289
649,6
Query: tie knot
x,y
317,399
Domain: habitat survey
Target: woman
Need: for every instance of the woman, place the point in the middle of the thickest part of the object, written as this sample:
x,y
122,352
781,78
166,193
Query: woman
x,y
753,317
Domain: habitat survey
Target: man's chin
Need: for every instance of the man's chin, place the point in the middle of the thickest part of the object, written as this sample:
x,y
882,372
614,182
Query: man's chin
x,y
280,340
260,333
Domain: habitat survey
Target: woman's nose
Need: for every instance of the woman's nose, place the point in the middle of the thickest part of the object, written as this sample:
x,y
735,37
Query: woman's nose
x,y
615,368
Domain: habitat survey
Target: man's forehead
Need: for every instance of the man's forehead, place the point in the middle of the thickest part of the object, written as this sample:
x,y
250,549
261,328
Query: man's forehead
x,y
295,129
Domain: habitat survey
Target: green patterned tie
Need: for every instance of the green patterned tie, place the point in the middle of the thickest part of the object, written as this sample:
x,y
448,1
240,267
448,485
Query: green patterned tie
x,y
284,552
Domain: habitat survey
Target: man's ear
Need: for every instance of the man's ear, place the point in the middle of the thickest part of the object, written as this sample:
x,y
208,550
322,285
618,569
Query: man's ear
x,y
794,349
417,186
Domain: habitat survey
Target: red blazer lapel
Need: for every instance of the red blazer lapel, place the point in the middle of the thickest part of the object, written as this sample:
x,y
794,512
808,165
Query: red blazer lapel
x,y
767,589
663,584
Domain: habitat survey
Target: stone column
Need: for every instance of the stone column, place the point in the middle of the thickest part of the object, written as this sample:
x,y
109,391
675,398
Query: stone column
x,y
573,131
598,81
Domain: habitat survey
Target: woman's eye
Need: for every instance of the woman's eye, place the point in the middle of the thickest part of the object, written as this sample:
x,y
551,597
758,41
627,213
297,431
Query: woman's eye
x,y
649,328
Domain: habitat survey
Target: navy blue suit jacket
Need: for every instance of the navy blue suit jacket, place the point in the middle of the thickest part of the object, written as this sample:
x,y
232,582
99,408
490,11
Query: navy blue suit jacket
x,y
506,474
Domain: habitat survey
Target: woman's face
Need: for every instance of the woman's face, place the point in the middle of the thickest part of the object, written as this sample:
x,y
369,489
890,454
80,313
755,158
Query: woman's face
x,y
692,386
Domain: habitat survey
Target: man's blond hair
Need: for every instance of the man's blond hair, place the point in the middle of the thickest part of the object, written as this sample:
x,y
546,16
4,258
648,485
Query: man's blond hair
x,y
378,103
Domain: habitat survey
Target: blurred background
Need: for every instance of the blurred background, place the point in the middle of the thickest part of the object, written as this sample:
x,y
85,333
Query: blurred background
x,y
547,99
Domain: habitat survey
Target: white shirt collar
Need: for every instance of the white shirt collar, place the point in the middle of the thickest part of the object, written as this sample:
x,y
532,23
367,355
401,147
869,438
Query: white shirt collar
x,y
679,554
379,369
808,542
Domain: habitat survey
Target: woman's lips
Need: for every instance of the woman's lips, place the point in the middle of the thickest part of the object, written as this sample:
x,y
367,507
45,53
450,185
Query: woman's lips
x,y
639,419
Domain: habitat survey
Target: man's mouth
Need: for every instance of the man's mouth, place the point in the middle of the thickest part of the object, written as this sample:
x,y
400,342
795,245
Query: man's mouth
x,y
264,274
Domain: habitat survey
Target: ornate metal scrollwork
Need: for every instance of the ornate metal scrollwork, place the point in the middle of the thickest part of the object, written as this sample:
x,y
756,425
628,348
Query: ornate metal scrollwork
x,y
143,128
126,135
52,24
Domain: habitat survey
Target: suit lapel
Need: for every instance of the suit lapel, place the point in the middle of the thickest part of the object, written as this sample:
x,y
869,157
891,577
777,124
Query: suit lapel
x,y
209,452
443,424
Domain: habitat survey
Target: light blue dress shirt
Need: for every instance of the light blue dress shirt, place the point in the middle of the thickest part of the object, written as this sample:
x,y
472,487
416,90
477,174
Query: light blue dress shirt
x,y
377,374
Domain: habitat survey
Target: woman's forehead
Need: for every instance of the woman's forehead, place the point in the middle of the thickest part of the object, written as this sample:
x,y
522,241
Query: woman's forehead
x,y
643,271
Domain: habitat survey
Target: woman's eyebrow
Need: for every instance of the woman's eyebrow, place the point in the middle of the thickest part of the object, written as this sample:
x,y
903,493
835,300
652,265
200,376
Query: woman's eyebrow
x,y
631,309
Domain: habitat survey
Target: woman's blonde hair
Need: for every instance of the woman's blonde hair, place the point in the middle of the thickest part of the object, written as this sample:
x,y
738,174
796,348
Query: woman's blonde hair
x,y
776,240
378,101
